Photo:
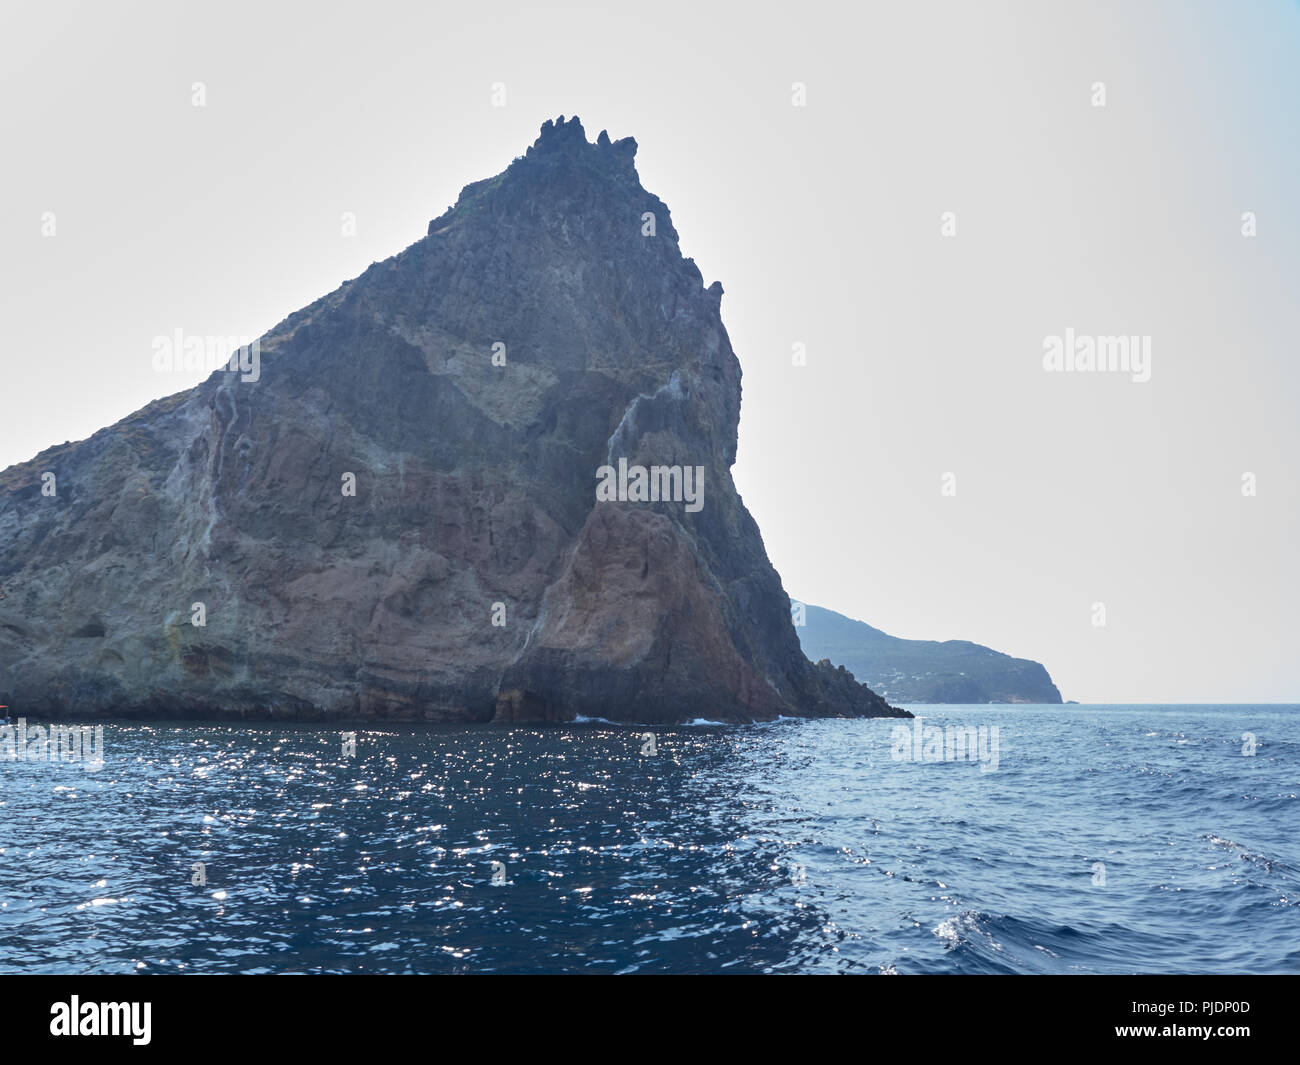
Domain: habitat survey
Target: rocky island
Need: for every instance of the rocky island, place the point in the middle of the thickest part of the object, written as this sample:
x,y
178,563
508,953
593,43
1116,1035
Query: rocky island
x,y
396,516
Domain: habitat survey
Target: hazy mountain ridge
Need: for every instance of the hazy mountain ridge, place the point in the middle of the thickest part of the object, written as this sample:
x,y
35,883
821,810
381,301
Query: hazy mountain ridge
x,y
923,671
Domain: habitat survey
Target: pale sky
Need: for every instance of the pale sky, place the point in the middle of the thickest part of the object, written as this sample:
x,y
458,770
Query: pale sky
x,y
924,352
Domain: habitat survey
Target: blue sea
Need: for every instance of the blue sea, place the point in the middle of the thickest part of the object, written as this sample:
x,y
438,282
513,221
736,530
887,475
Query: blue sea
x,y
1073,839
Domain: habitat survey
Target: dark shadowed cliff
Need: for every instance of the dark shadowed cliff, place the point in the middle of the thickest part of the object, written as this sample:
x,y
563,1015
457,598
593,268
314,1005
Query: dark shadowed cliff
x,y
924,671
473,575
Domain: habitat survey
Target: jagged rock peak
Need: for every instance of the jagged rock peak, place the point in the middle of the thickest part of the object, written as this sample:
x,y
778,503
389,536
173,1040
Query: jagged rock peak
x,y
573,175
562,136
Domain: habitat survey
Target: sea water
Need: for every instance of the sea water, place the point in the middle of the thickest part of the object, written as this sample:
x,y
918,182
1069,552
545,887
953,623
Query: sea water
x,y
1095,840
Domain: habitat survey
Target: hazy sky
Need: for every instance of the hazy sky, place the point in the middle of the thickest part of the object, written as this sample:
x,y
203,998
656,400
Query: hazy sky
x,y
823,223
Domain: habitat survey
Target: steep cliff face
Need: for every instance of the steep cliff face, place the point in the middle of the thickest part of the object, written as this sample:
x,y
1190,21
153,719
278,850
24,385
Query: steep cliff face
x,y
473,574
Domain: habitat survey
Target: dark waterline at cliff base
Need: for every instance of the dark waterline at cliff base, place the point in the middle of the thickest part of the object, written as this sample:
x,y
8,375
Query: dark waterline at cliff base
x,y
797,846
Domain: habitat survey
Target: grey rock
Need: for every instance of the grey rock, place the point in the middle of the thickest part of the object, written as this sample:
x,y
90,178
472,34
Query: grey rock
x,y
475,486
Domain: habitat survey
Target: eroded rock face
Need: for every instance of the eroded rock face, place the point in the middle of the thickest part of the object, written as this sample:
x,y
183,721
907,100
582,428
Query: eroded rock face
x,y
475,497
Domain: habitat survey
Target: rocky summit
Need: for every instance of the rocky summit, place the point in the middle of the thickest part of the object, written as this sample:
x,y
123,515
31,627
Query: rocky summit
x,y
488,479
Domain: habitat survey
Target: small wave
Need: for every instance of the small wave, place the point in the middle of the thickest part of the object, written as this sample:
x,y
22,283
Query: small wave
x,y
1266,862
964,928
975,941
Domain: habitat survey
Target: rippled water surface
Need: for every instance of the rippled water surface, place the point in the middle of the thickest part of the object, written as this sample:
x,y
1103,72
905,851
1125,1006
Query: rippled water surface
x,y
1111,839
